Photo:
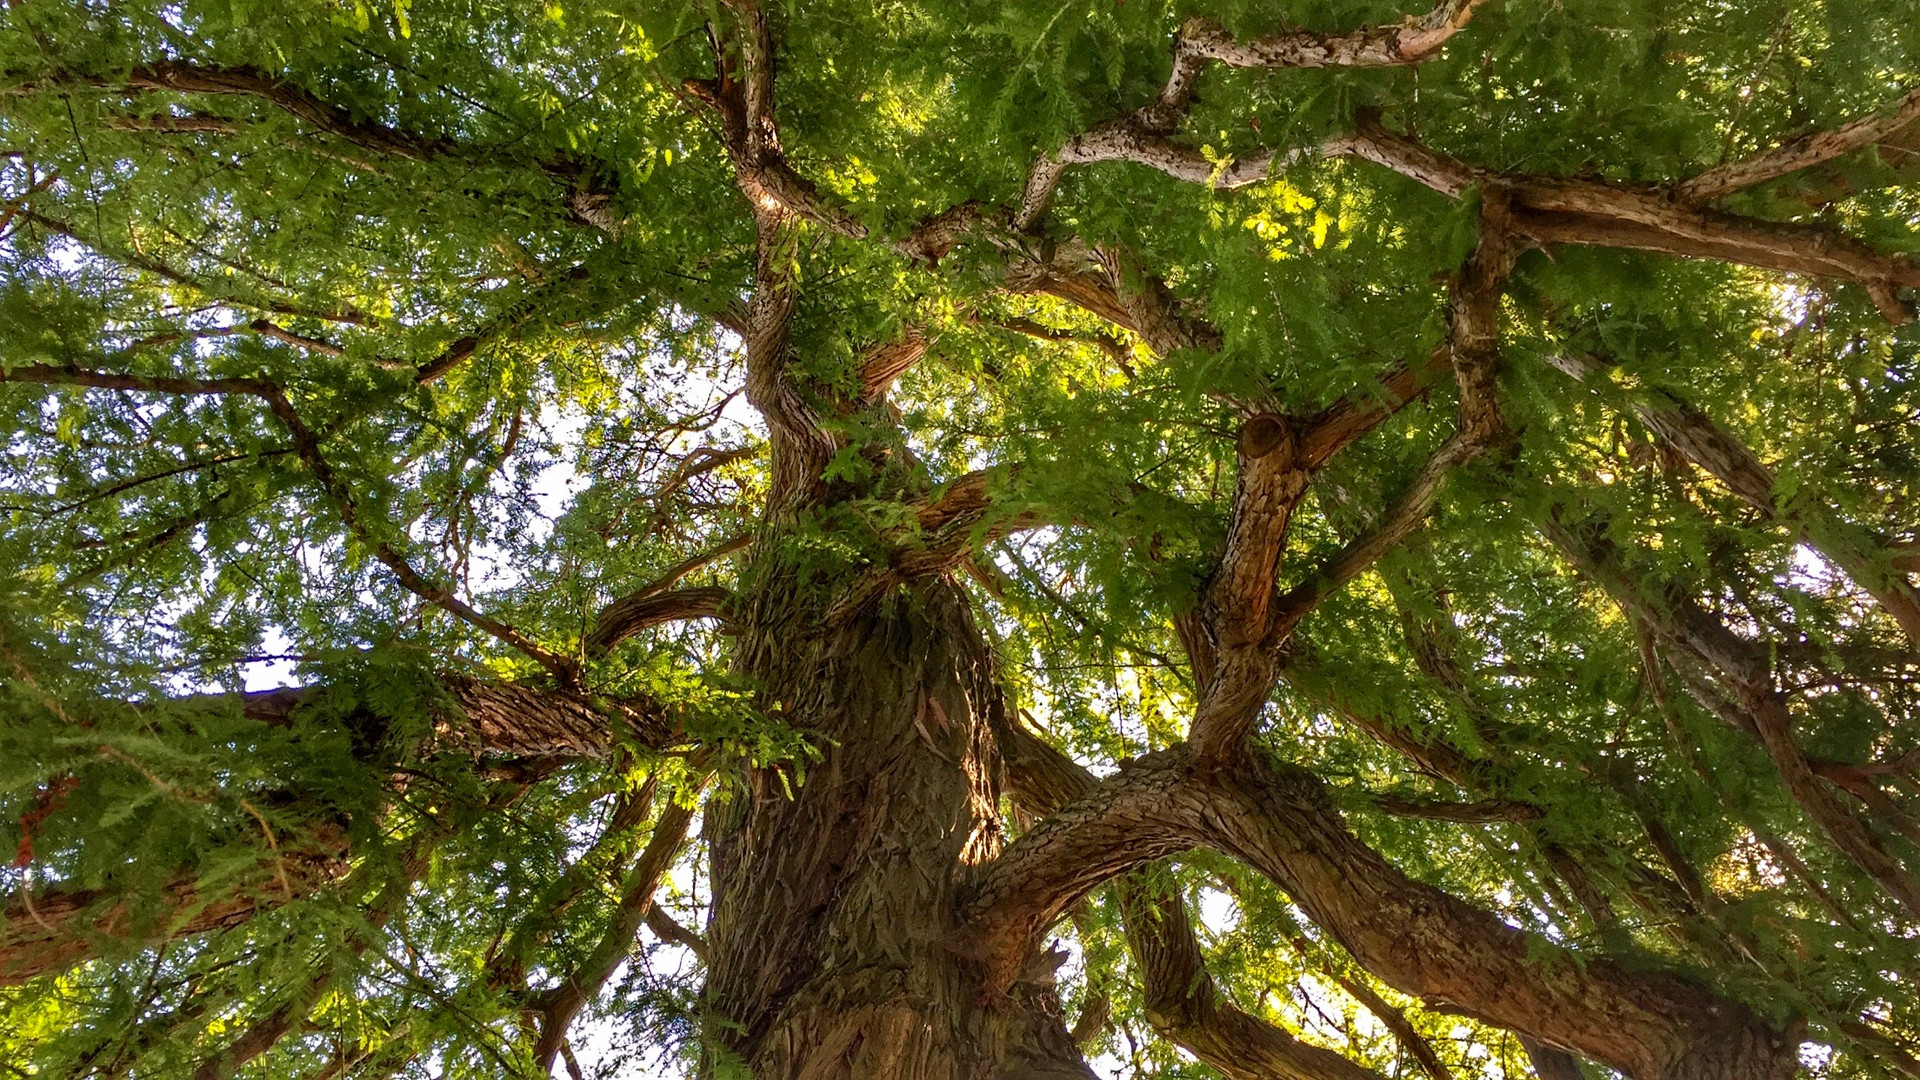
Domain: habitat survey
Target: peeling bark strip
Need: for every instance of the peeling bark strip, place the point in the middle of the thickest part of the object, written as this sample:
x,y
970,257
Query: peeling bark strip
x,y
53,929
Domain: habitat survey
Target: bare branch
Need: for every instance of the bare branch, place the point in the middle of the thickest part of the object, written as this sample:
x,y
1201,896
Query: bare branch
x,y
668,929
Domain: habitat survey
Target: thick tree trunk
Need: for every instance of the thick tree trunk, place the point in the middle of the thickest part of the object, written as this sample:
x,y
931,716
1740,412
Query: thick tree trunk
x,y
829,951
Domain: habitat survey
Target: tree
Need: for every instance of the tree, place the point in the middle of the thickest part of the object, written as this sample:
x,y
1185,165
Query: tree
x,y
957,540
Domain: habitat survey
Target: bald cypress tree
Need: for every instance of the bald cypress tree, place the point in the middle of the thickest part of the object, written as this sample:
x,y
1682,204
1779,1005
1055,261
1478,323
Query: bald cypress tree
x,y
958,540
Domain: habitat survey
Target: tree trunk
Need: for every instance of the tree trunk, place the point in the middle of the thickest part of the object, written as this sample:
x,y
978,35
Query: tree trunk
x,y
834,892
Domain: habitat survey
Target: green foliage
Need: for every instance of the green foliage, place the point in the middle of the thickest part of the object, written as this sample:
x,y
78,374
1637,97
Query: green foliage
x,y
156,548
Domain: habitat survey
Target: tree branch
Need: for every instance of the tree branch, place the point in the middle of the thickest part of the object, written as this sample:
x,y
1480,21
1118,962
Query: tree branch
x,y
1416,938
1756,707
558,1006
1712,448
645,606
629,615
53,930
1184,1005
1804,152
1141,136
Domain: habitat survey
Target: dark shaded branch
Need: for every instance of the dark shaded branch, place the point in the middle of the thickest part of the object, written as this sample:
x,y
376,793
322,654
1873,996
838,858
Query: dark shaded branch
x,y
1551,1062
348,314
1112,346
1396,1021
187,78
1184,1005
1723,456
47,375
558,1006
1745,697
1478,812
523,728
668,929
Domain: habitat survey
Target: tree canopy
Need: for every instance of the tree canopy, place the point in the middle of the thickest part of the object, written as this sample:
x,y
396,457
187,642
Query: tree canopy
x,y
1404,523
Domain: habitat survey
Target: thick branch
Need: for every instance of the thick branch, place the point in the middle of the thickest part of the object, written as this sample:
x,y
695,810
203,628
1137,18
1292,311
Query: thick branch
x,y
1183,1004
1181,999
1414,937
647,606
54,929
1423,941
629,615
1116,825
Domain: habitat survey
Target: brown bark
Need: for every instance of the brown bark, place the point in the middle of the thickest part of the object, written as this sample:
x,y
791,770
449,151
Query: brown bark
x,y
835,892
1183,1003
1416,938
52,930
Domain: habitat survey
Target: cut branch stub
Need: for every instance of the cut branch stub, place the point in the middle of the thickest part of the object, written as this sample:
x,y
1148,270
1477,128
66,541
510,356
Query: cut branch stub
x,y
1265,434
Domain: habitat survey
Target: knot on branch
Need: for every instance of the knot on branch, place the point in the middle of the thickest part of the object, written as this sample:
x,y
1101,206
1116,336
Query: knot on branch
x,y
1266,434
